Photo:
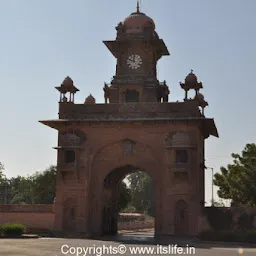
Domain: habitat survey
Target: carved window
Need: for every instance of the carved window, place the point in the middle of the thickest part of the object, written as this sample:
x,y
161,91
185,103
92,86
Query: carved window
x,y
132,96
181,156
70,156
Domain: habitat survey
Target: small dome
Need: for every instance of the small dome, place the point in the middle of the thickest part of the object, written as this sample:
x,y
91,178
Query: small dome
x,y
137,22
68,82
199,97
90,100
191,78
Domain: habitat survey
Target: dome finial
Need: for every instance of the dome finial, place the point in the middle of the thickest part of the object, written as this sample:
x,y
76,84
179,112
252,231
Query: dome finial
x,y
138,6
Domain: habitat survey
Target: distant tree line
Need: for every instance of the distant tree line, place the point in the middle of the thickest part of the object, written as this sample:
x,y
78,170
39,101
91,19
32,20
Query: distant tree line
x,y
38,188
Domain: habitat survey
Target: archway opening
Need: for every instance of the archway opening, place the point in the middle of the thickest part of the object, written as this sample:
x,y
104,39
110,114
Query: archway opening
x,y
128,203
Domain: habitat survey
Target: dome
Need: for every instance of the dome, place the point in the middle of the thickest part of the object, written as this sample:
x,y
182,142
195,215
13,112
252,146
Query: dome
x,y
137,22
68,82
191,78
90,100
199,97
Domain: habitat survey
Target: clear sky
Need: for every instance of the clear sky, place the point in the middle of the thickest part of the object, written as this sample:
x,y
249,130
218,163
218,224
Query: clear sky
x,y
42,42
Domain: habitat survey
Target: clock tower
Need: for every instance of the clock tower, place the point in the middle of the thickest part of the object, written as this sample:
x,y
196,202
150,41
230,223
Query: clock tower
x,y
100,144
137,49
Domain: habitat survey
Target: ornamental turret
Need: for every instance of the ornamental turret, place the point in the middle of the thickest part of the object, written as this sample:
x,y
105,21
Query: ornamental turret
x,y
191,83
67,86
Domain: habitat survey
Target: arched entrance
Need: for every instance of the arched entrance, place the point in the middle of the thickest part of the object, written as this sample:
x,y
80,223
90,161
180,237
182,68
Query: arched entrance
x,y
113,198
109,167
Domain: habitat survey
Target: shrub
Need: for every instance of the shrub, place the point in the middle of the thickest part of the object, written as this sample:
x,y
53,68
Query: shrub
x,y
1,229
228,236
219,218
208,235
251,236
245,221
218,236
13,229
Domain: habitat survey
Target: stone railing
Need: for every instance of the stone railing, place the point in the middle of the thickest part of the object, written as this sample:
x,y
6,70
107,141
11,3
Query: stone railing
x,y
131,110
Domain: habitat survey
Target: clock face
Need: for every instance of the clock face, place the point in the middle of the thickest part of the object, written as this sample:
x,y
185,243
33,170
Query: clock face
x,y
134,61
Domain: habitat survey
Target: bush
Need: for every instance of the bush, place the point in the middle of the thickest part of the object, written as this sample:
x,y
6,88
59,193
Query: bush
x,y
12,229
245,221
228,236
208,235
251,236
1,229
219,218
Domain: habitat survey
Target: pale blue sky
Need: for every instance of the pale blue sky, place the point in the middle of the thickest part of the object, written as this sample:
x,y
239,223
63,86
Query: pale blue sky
x,y
44,41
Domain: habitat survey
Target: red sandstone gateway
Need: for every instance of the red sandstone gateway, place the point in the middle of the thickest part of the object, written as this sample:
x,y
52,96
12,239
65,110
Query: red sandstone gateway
x,y
136,129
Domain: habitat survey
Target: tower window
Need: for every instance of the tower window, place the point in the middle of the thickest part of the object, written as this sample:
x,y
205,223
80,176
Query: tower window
x,y
70,156
132,96
181,157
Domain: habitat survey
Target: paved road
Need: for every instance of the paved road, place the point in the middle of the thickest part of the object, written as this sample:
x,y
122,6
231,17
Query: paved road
x,y
60,247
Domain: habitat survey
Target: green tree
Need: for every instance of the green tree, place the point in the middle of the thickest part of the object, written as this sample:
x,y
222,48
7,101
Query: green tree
x,y
21,190
238,181
1,172
44,186
142,192
2,185
39,188
218,204
124,196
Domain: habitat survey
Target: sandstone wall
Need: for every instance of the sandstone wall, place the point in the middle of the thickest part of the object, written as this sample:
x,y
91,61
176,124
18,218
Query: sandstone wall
x,y
37,218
